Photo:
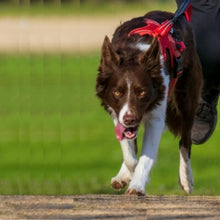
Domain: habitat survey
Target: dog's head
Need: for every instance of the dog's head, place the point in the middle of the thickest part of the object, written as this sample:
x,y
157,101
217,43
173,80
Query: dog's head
x,y
129,84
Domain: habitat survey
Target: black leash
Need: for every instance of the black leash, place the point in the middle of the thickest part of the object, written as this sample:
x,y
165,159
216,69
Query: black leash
x,y
182,8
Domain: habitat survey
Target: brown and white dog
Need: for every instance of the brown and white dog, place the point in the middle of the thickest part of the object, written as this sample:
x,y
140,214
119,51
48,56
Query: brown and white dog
x,y
133,84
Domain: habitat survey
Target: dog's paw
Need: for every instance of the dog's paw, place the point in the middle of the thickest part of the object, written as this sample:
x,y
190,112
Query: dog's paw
x,y
118,183
186,184
135,192
136,188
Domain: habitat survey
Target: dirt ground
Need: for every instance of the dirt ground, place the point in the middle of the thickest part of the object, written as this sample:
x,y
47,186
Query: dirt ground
x,y
56,34
110,207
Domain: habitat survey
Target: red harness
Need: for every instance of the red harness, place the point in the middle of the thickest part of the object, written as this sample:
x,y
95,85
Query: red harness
x,y
167,42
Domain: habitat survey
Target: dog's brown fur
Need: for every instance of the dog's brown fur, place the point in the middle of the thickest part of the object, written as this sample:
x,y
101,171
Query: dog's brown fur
x,y
119,60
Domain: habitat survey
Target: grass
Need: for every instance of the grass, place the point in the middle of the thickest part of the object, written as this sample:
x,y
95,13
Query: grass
x,y
56,139
38,119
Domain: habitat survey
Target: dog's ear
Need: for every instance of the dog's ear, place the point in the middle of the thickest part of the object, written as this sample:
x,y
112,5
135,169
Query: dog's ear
x,y
109,60
109,56
151,58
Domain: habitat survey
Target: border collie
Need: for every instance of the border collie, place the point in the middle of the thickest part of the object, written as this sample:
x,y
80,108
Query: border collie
x,y
133,83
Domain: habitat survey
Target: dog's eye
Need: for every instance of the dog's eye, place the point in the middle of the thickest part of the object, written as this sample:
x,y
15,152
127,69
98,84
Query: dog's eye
x,y
117,93
141,93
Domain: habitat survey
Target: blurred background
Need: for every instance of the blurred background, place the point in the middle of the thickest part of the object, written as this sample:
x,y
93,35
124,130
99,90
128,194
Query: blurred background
x,y
55,138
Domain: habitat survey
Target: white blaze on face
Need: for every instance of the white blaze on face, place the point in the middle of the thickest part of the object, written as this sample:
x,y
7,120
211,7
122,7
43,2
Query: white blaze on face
x,y
125,109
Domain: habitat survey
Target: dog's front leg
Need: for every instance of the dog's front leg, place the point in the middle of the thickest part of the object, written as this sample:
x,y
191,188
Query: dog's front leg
x,y
153,130
129,151
125,174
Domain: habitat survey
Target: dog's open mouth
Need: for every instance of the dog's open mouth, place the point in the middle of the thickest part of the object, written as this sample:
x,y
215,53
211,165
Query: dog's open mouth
x,y
122,132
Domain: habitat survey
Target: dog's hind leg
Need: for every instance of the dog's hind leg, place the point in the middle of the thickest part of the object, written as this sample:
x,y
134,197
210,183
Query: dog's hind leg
x,y
124,176
187,109
185,170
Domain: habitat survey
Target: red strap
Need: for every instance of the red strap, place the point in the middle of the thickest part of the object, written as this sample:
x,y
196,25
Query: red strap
x,y
172,85
162,32
188,13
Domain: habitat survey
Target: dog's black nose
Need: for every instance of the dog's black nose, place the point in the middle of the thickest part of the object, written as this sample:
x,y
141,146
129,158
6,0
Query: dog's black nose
x,y
129,119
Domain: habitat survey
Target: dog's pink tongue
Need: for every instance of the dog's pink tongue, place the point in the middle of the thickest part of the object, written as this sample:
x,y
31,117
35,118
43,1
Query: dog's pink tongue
x,y
119,131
